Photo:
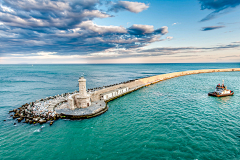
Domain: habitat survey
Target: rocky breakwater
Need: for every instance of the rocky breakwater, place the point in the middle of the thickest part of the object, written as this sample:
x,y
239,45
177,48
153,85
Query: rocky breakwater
x,y
40,111
52,108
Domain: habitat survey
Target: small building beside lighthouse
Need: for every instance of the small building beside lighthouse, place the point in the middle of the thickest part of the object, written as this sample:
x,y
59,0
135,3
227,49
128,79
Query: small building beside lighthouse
x,y
81,99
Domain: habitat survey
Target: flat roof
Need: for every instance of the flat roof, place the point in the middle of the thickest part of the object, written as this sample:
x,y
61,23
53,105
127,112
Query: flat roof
x,y
113,90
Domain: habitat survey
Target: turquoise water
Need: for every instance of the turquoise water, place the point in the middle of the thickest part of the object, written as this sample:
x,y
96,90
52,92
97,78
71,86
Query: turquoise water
x,y
173,119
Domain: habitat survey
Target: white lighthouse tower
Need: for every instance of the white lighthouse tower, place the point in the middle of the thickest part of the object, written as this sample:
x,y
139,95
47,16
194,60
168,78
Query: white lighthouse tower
x,y
82,87
81,99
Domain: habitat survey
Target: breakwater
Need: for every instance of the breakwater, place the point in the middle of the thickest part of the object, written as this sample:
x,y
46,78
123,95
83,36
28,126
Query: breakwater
x,y
44,110
139,83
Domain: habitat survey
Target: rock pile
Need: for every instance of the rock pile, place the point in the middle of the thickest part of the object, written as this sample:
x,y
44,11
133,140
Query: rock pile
x,y
31,114
40,111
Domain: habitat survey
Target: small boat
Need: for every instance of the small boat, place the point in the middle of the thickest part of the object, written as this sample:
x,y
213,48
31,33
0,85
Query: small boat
x,y
221,91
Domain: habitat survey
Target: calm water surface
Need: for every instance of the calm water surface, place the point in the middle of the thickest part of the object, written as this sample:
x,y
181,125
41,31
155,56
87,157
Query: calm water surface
x,y
173,119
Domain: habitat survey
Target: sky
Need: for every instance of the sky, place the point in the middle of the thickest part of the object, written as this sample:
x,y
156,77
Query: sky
x,y
111,31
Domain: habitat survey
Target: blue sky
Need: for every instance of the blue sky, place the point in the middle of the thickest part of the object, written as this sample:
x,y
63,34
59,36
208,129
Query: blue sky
x,y
95,31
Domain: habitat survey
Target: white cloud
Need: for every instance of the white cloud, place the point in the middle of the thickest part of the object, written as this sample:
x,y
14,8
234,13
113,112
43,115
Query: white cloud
x,y
164,30
135,7
169,38
175,23
94,13
6,9
89,25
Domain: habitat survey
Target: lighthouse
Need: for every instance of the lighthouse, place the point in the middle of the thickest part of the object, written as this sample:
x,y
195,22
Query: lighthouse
x,y
80,99
82,87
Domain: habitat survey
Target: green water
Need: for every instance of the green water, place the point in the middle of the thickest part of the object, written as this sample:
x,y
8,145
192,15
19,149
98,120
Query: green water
x,y
173,119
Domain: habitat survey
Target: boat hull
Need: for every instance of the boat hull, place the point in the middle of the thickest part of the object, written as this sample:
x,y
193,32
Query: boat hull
x,y
220,95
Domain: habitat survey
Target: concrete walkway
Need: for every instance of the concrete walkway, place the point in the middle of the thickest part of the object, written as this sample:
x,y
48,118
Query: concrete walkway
x,y
95,108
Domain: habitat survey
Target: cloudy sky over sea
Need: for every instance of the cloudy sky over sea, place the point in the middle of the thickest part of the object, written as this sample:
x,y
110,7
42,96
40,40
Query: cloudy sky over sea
x,y
96,31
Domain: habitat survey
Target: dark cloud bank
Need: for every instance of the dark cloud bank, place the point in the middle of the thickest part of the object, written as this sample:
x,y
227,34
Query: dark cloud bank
x,y
66,27
209,28
218,6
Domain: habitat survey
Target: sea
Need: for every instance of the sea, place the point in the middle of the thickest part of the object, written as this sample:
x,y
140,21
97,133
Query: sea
x,y
171,120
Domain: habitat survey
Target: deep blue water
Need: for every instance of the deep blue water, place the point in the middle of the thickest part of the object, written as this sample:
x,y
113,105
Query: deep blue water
x,y
173,119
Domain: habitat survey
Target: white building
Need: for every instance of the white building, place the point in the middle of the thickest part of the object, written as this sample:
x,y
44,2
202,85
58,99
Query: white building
x,y
113,93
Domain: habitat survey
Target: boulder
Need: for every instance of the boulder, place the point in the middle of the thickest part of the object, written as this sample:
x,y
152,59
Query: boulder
x,y
26,120
36,119
20,119
41,121
51,123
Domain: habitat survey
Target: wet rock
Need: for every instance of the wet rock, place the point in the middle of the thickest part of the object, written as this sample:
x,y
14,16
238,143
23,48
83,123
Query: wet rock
x,y
36,119
15,116
20,119
41,121
51,123
26,120
30,121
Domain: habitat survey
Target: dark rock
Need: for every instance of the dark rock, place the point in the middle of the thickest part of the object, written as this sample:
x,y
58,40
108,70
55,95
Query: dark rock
x,y
26,120
51,123
19,119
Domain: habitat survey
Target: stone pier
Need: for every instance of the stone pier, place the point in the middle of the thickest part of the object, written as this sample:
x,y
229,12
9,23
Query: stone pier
x,y
82,104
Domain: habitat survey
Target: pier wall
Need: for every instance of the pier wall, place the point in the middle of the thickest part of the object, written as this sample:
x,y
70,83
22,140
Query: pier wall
x,y
154,79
